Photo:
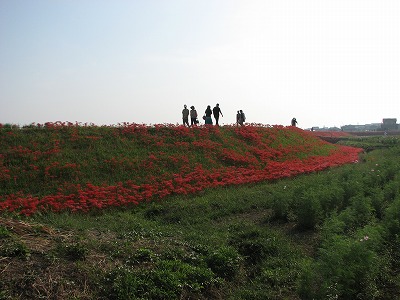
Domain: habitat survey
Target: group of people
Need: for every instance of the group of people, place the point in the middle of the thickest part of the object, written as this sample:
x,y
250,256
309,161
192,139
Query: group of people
x,y
240,118
216,112
207,117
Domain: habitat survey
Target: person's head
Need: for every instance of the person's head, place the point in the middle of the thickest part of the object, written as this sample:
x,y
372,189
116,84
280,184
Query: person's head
x,y
217,104
208,106
192,107
241,111
185,106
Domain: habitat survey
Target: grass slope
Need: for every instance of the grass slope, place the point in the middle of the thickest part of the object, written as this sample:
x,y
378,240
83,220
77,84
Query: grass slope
x,y
79,168
332,234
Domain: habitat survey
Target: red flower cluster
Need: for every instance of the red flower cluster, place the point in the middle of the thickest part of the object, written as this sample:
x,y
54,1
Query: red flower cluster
x,y
75,167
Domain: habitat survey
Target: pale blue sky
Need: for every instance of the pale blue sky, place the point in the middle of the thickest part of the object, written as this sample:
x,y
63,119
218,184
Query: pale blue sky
x,y
325,62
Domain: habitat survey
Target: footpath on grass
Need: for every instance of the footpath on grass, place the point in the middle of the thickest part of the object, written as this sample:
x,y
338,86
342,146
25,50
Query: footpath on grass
x,y
78,167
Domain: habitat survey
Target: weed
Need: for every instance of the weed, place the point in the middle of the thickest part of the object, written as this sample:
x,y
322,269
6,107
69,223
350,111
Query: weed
x,y
281,206
309,210
4,233
168,280
224,262
15,249
142,255
74,251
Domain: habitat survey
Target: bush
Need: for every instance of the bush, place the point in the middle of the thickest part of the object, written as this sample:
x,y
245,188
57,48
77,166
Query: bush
x,y
392,219
74,251
309,210
378,202
224,262
363,211
391,190
14,249
4,233
143,255
168,280
360,213
345,269
352,266
249,243
281,205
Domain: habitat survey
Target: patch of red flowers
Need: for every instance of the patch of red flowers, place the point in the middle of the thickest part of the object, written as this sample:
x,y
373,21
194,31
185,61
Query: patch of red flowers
x,y
74,167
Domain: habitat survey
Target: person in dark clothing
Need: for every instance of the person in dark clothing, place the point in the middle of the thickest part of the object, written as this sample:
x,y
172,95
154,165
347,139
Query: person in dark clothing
x,y
216,111
207,115
238,118
193,116
242,117
294,122
185,116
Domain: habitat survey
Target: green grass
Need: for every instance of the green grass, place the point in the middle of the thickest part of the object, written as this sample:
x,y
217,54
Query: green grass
x,y
42,161
327,235
370,143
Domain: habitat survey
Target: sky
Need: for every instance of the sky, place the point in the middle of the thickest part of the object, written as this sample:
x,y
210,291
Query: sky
x,y
325,62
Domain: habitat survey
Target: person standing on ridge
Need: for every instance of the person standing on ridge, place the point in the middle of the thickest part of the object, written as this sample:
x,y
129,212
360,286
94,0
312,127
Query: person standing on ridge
x,y
294,122
193,116
242,117
185,116
216,111
207,115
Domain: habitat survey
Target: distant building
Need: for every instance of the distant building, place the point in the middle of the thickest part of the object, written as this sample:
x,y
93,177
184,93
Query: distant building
x,y
373,127
353,128
384,126
389,124
316,128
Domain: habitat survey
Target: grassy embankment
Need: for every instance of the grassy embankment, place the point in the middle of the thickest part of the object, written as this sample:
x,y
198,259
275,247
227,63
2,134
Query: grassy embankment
x,y
329,234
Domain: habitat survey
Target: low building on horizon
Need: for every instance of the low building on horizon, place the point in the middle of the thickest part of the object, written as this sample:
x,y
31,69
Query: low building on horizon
x,y
389,124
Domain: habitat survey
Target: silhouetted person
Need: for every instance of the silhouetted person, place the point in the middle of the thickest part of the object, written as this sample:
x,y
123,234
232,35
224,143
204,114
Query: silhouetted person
x,y
185,116
216,111
294,122
193,116
242,117
207,115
